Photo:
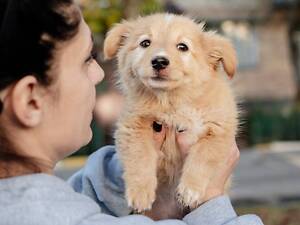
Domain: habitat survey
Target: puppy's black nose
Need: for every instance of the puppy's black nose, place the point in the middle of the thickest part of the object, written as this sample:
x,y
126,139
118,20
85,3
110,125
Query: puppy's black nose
x,y
160,63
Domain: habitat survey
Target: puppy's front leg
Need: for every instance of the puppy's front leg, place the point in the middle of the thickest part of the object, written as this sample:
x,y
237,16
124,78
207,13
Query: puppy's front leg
x,y
203,159
135,144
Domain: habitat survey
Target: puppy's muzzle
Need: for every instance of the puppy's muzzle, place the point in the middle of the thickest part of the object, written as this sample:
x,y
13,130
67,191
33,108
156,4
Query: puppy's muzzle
x,y
160,63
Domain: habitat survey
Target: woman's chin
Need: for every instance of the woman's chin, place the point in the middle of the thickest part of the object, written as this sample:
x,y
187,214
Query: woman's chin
x,y
90,135
83,142
88,138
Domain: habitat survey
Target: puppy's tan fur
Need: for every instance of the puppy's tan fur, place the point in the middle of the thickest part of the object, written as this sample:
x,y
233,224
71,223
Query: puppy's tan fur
x,y
192,96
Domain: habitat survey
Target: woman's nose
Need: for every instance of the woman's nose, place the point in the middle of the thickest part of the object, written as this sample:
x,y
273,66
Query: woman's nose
x,y
96,73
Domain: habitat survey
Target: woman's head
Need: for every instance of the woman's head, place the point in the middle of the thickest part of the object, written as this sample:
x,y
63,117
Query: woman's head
x,y
47,79
29,31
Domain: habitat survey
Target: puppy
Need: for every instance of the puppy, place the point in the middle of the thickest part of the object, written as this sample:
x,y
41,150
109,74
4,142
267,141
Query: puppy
x,y
168,72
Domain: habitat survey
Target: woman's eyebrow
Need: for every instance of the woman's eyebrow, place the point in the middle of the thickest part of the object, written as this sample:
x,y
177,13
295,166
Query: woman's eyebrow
x,y
92,42
91,45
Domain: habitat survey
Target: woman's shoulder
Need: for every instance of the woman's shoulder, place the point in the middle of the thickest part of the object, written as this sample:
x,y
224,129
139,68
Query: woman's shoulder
x,y
32,186
42,199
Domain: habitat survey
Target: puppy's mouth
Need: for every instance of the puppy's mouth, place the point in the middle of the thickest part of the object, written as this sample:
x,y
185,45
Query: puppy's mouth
x,y
161,75
159,82
159,78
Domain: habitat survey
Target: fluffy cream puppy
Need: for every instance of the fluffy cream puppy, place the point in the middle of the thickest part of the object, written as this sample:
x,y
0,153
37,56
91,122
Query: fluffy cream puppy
x,y
168,72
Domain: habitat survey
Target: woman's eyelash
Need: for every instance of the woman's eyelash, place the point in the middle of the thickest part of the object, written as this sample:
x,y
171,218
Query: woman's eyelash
x,y
93,55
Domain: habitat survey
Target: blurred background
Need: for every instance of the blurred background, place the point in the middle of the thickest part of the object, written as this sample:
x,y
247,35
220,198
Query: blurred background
x,y
266,35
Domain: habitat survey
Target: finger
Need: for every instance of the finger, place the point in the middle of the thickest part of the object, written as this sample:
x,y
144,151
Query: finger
x,y
183,142
237,151
224,172
234,155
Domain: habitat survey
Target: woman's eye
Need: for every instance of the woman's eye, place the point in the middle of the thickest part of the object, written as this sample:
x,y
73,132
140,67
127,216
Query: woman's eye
x,y
182,47
93,56
145,43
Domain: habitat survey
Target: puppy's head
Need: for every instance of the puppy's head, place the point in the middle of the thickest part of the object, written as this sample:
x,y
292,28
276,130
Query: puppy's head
x,y
164,52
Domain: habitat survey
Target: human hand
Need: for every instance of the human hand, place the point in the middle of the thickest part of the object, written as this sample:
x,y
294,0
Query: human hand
x,y
217,184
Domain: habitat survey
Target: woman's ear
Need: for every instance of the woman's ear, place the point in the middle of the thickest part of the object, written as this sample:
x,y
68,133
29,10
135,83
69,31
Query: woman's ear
x,y
220,49
26,100
114,39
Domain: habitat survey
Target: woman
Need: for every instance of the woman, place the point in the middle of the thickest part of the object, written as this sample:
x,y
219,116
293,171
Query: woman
x,y
47,94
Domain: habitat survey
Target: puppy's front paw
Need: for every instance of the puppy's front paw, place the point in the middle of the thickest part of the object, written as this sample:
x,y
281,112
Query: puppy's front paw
x,y
190,194
140,197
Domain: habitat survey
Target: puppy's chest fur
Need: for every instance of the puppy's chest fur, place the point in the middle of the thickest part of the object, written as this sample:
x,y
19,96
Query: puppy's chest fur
x,y
177,113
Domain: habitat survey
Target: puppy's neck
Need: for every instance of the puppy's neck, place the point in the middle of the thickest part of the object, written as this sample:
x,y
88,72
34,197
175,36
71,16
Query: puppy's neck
x,y
169,98
163,97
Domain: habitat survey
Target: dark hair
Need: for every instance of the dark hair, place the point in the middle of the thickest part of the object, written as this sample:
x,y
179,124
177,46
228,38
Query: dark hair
x,y
29,33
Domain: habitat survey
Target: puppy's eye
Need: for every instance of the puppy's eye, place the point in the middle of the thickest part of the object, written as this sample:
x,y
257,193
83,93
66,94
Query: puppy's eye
x,y
146,43
182,47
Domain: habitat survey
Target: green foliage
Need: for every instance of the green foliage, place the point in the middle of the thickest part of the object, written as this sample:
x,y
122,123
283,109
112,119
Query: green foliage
x,y
100,15
150,6
273,122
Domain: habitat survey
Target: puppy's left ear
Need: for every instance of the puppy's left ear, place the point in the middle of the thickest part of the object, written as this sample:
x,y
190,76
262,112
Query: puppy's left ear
x,y
114,39
220,49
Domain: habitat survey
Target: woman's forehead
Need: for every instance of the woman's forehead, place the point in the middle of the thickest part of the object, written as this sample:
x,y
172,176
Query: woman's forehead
x,y
84,33
76,50
82,41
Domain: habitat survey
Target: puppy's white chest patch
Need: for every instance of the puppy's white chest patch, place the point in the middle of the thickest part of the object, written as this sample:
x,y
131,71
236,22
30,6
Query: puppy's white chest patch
x,y
186,119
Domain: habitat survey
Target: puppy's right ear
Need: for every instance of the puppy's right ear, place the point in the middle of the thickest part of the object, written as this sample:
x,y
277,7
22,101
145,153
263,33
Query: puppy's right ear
x,y
114,39
220,50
